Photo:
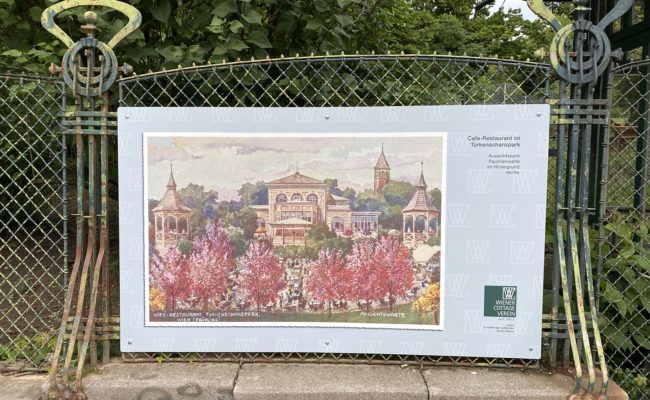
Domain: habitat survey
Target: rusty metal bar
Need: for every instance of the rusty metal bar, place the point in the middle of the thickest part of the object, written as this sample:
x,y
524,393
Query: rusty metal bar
x,y
89,68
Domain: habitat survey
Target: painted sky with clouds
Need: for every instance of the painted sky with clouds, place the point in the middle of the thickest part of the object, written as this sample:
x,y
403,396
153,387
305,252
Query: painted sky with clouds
x,y
225,163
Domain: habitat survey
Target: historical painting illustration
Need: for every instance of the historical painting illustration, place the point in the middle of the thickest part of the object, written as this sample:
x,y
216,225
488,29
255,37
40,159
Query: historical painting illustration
x,y
294,230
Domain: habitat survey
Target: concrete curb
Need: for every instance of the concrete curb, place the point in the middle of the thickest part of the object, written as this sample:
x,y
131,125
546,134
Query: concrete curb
x,y
227,381
322,381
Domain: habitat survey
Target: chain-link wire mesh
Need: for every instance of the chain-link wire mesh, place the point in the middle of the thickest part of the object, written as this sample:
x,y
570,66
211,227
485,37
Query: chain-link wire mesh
x,y
349,81
625,274
32,220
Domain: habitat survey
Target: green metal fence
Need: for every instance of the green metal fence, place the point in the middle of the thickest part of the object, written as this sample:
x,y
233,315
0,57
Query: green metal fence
x,y
33,244
625,266
32,219
346,81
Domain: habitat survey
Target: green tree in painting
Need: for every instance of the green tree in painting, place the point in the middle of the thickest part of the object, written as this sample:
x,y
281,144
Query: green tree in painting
x,y
252,194
398,193
244,219
436,197
203,204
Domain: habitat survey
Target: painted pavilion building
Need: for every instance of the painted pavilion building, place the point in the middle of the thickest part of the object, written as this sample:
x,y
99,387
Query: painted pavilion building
x,y
171,217
420,216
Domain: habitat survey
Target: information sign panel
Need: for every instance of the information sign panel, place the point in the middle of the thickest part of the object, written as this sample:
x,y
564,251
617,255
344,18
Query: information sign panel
x,y
406,230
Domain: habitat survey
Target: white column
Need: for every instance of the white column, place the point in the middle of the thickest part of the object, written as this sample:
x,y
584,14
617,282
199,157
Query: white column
x,y
426,229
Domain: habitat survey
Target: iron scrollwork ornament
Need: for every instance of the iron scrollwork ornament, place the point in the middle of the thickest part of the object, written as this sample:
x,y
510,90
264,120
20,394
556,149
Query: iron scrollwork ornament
x,y
93,83
89,68
581,51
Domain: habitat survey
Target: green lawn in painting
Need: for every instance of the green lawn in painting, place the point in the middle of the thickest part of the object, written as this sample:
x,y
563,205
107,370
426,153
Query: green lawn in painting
x,y
407,316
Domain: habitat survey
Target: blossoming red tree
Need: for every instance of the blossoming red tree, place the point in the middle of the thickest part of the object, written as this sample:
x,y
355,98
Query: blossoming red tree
x,y
262,275
330,278
212,261
170,273
380,269
368,282
395,263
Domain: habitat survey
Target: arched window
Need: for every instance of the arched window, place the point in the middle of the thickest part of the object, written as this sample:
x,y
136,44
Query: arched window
x,y
420,223
171,223
312,198
296,197
182,225
433,224
159,223
281,198
337,224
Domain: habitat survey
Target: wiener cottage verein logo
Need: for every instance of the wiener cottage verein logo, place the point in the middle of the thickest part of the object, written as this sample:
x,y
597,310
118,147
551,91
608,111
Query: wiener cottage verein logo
x,y
500,301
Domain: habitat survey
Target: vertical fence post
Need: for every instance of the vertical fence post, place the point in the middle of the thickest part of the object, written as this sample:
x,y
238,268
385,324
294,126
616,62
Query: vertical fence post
x,y
89,69
580,53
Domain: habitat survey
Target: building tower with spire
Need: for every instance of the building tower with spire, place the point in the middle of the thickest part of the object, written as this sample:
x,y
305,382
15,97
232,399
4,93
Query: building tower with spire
x,y
171,217
382,171
420,216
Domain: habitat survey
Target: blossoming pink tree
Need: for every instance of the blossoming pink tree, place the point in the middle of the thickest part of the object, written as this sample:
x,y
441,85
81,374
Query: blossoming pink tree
x,y
330,278
369,281
211,260
394,259
262,275
170,272
382,268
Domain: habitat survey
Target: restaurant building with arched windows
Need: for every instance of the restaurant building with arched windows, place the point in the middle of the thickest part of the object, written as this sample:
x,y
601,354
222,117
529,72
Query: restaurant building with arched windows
x,y
298,202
